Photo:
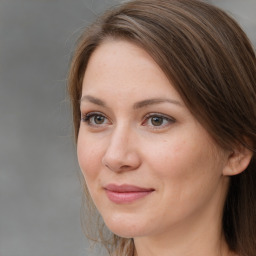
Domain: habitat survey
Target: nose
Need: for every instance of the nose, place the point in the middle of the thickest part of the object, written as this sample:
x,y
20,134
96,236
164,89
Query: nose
x,y
122,152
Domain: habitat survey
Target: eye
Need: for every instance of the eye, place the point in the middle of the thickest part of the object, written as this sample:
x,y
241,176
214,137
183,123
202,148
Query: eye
x,y
95,119
157,121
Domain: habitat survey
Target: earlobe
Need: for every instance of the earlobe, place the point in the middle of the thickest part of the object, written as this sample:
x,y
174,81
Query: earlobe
x,y
238,161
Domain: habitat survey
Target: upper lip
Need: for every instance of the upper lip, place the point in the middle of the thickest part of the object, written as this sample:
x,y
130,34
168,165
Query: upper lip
x,y
126,188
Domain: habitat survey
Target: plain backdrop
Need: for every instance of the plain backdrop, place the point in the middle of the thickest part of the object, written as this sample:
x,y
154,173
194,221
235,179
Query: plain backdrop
x,y
40,193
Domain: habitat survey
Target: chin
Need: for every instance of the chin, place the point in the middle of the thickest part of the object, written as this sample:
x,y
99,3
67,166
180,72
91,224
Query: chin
x,y
124,228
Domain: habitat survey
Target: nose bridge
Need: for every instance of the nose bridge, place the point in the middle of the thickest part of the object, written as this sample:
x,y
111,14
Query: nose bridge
x,y
121,153
119,144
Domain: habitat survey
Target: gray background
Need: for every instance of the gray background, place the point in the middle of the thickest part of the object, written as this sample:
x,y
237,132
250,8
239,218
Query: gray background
x,y
39,178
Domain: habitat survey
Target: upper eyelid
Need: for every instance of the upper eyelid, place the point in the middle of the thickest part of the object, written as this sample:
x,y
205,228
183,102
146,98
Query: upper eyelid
x,y
85,118
92,110
169,120
91,113
160,115
148,115
94,113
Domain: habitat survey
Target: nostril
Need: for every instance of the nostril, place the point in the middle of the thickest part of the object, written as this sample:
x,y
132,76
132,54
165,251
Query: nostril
x,y
120,168
125,167
121,161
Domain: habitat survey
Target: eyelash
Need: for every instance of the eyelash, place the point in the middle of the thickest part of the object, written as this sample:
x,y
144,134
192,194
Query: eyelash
x,y
169,120
87,118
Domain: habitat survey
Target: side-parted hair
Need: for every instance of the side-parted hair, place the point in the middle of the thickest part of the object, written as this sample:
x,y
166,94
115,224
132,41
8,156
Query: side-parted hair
x,y
211,63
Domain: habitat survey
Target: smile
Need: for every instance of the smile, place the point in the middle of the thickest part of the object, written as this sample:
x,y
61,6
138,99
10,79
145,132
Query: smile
x,y
126,193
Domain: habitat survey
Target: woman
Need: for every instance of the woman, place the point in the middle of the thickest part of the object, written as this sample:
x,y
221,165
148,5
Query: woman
x,y
163,95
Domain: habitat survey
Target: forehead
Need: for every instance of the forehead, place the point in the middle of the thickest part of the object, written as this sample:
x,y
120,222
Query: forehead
x,y
119,64
115,54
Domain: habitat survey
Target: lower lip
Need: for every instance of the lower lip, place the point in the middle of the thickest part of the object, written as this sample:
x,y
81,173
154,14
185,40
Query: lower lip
x,y
126,197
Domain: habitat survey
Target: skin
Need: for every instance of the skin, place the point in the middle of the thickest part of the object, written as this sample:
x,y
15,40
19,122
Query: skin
x,y
120,142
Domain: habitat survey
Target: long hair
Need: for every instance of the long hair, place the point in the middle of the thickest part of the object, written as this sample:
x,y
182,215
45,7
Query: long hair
x,y
211,63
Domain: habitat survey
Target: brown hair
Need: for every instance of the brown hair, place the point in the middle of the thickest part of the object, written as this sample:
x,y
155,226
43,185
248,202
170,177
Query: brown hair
x,y
211,63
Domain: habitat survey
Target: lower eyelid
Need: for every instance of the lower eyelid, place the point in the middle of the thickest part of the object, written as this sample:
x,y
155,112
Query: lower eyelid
x,y
86,118
168,121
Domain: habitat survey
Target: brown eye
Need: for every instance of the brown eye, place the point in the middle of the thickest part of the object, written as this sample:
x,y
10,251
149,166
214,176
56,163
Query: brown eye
x,y
97,119
157,120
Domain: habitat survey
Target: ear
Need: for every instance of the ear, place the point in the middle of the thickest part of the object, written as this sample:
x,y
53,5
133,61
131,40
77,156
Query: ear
x,y
238,161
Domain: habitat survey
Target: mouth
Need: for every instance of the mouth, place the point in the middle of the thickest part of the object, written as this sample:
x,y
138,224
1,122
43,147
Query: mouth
x,y
122,194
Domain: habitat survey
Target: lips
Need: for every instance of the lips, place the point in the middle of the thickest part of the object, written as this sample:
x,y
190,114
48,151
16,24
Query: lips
x,y
121,194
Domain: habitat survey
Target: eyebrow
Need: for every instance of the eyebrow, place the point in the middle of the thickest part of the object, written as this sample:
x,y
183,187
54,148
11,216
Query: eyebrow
x,y
93,100
137,105
145,103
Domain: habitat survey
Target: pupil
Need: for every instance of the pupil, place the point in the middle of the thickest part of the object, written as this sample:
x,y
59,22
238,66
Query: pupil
x,y
98,119
157,121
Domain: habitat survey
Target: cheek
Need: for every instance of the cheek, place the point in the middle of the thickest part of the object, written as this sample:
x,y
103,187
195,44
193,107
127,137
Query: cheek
x,y
186,165
168,158
89,156
189,177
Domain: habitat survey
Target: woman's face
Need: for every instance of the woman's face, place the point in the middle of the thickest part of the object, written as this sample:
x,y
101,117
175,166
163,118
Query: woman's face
x,y
150,167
